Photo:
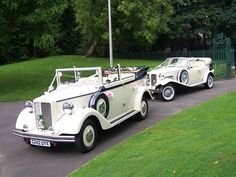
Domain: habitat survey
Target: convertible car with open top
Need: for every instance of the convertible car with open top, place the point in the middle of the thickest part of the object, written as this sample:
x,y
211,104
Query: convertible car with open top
x,y
79,102
177,72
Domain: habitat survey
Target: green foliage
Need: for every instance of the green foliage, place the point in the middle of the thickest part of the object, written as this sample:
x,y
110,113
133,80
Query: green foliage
x,y
197,21
143,19
69,40
91,17
200,141
36,28
141,24
11,41
28,27
136,22
41,21
230,21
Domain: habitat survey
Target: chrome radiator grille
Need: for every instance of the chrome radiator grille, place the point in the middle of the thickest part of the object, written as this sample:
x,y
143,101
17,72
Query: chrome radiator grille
x,y
43,115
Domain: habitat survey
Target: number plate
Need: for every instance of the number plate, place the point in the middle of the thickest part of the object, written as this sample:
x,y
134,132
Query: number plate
x,y
40,143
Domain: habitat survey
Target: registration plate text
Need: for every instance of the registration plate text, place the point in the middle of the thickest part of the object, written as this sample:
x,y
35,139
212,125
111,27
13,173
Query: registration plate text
x,y
43,143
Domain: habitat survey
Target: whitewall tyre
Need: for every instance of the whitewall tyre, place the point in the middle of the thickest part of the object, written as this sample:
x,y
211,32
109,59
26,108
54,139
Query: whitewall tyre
x,y
210,82
143,109
167,92
86,140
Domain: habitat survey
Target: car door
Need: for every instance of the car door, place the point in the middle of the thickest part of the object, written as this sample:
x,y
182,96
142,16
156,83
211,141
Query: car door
x,y
119,95
195,71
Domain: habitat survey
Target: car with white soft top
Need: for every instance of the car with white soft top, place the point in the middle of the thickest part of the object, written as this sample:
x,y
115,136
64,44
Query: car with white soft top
x,y
177,72
81,101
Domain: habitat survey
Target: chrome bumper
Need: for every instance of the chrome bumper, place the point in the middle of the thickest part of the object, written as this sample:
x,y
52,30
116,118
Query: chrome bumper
x,y
63,138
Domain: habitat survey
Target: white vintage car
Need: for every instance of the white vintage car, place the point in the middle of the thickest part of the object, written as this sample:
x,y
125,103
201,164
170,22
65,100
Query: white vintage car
x,y
180,71
75,107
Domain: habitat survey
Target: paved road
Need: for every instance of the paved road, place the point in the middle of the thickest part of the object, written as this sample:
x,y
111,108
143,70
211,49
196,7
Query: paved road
x,y
18,159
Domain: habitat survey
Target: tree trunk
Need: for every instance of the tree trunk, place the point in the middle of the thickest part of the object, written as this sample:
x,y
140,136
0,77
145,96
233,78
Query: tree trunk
x,y
31,48
92,49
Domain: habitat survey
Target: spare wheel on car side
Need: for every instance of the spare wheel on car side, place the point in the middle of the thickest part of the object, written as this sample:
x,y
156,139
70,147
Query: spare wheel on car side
x,y
184,77
100,102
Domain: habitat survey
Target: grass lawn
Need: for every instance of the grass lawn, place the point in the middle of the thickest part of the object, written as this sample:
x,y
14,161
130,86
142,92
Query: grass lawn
x,y
27,80
199,142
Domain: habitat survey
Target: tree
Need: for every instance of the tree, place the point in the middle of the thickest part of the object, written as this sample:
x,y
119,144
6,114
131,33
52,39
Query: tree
x,y
69,40
10,38
230,22
196,21
40,20
135,22
29,28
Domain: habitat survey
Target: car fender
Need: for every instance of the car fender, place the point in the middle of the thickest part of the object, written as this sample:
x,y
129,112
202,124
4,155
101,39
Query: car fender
x,y
25,118
71,124
206,75
166,81
142,91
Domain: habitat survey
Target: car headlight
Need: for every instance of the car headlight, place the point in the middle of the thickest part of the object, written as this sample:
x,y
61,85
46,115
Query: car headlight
x,y
68,108
29,106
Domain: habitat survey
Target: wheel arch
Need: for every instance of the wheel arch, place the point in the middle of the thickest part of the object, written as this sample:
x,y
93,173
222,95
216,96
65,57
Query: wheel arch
x,y
96,121
72,124
175,84
143,92
206,75
93,102
147,95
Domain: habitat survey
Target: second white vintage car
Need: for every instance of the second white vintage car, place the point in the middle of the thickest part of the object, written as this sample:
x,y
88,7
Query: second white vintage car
x,y
180,71
79,102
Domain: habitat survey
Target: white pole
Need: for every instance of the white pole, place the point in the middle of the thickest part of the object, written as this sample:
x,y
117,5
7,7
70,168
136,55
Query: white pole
x,y
110,34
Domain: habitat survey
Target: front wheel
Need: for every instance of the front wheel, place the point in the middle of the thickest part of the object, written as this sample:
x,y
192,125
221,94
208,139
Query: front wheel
x,y
86,140
143,109
167,92
210,82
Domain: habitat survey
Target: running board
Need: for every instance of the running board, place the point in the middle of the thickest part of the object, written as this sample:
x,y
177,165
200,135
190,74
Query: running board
x,y
123,117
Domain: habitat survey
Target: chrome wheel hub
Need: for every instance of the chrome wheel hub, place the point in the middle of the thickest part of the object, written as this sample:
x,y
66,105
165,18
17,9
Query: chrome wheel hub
x,y
88,136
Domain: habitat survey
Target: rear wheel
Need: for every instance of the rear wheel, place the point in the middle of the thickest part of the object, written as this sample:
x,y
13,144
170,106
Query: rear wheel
x,y
210,82
86,140
143,109
167,92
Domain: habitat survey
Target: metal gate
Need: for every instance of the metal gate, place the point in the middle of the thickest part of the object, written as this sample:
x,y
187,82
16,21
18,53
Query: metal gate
x,y
223,56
